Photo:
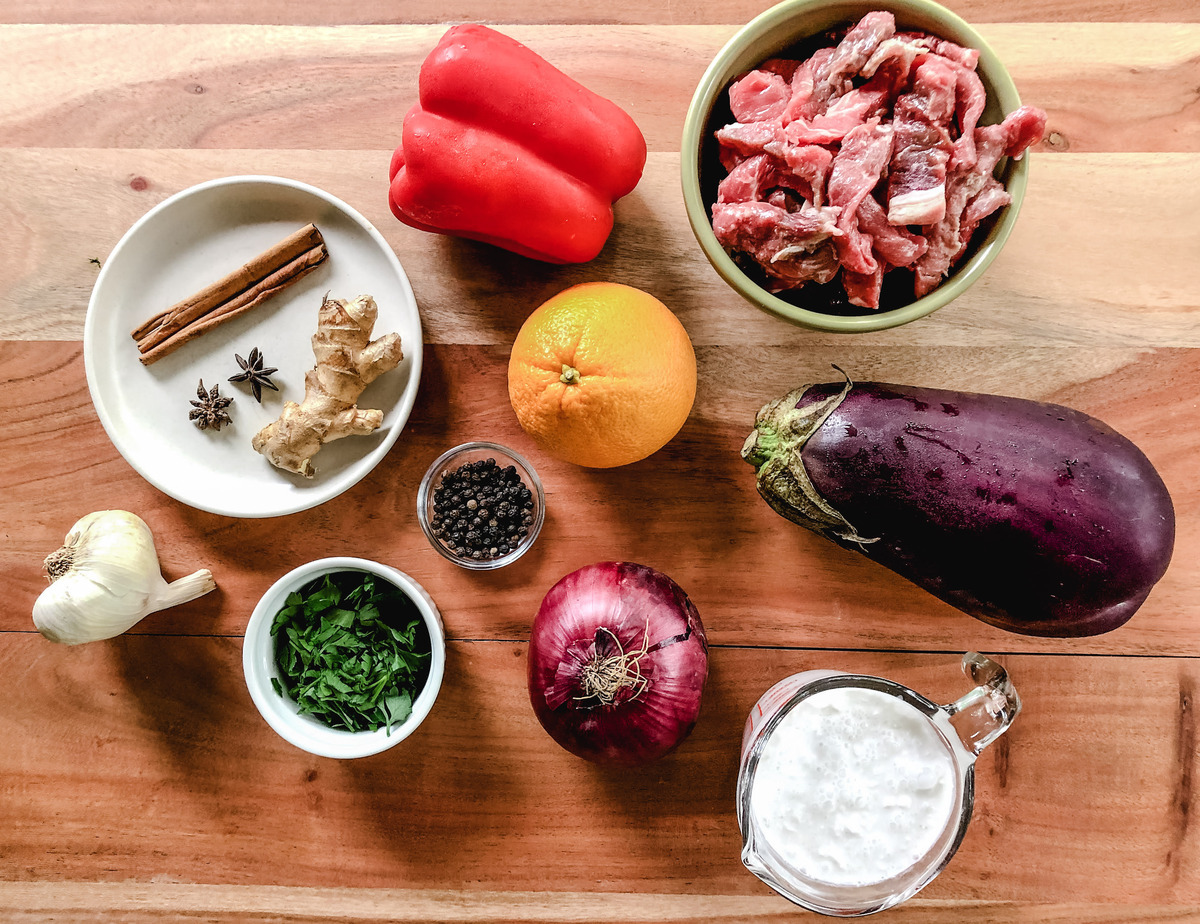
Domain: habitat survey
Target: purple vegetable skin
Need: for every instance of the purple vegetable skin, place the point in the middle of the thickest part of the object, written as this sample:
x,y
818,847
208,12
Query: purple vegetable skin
x,y
1032,517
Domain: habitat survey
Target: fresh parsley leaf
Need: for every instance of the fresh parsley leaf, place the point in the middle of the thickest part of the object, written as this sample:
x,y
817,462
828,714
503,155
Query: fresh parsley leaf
x,y
397,708
352,651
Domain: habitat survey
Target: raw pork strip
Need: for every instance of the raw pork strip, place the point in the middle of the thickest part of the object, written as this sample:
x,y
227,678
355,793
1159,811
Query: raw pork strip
x,y
784,67
969,99
832,78
1018,131
745,182
891,244
1022,129
761,176
856,171
873,99
809,162
991,198
818,266
863,289
803,104
786,189
775,238
917,185
786,198
965,57
944,240
749,138
897,51
738,141
760,96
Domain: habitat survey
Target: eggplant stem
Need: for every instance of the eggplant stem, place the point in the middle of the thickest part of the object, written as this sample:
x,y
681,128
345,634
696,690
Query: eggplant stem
x,y
607,675
775,448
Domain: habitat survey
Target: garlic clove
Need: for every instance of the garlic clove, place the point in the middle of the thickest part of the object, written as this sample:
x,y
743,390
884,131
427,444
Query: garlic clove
x,y
106,578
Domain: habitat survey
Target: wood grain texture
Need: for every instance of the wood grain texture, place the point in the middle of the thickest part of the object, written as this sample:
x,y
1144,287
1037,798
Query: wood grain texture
x,y
139,784
222,800
63,210
84,903
318,13
1105,86
778,585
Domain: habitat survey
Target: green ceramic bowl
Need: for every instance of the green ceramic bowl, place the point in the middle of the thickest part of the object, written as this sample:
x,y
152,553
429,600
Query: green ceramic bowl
x,y
778,32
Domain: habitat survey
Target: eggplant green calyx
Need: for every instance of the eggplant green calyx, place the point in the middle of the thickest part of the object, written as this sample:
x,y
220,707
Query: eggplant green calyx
x,y
775,447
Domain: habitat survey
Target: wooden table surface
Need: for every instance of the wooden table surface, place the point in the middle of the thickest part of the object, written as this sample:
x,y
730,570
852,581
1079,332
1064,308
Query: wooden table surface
x,y
138,782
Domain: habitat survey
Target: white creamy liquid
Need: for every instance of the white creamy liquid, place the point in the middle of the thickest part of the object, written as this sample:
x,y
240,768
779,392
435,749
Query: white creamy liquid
x,y
853,786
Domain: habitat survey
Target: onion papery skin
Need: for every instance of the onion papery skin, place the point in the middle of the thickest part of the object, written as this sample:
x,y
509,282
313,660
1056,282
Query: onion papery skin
x,y
635,607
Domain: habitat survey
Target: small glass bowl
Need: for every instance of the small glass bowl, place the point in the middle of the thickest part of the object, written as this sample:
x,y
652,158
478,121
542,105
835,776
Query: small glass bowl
x,y
450,461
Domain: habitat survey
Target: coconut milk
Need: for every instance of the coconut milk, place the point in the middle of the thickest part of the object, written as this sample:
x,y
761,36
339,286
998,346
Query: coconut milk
x,y
854,786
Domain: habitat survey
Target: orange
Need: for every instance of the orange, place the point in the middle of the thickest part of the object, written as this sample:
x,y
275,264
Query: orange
x,y
602,374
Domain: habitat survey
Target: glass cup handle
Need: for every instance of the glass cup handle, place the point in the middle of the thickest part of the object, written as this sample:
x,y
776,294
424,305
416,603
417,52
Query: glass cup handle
x,y
985,712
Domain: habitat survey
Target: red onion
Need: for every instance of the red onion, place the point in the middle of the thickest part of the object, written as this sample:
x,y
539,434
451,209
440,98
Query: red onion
x,y
617,662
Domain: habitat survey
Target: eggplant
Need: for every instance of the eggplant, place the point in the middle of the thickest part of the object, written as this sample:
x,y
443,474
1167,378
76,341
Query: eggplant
x,y
1032,517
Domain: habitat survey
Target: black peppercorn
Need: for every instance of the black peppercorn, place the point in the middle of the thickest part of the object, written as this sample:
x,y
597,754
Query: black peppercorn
x,y
482,511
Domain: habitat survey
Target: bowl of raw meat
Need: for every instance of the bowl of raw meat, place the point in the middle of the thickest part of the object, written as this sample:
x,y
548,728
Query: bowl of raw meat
x,y
852,166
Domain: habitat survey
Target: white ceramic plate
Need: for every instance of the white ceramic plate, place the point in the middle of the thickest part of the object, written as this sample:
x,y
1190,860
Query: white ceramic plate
x,y
177,248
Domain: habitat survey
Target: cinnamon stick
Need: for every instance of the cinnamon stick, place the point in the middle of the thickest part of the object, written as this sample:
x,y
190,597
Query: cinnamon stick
x,y
268,273
257,294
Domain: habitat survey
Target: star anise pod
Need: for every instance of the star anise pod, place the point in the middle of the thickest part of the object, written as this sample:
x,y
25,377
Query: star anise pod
x,y
255,373
210,409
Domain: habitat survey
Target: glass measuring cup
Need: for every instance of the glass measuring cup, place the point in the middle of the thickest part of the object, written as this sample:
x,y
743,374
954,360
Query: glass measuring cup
x,y
962,728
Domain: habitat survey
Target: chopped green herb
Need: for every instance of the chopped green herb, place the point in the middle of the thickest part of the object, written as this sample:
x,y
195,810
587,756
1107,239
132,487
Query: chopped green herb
x,y
352,651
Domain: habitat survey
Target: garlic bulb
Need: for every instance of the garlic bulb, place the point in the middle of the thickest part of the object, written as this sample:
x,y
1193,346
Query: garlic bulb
x,y
105,578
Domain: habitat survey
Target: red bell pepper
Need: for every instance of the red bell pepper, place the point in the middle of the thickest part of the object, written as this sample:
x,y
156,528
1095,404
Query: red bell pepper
x,y
503,147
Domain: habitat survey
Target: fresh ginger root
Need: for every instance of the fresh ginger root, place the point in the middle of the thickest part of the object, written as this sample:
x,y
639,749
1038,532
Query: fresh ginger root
x,y
347,361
